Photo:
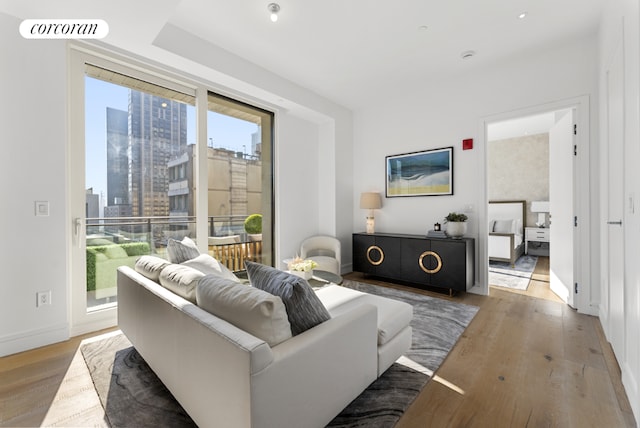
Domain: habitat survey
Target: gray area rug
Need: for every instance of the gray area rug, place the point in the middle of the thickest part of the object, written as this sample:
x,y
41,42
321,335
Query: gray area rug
x,y
437,325
132,395
502,274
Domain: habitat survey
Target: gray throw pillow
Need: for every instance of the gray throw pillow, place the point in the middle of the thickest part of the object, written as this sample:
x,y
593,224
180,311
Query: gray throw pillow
x,y
181,251
304,308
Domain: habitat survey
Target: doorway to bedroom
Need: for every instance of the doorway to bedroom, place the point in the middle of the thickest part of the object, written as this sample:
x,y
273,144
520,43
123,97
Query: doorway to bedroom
x,y
529,170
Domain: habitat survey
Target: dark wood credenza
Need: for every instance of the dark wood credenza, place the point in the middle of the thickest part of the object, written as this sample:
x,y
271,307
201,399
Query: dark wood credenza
x,y
416,260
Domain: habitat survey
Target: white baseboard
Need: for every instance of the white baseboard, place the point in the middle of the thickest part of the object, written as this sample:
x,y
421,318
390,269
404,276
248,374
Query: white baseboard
x,y
593,309
347,268
93,326
31,339
631,388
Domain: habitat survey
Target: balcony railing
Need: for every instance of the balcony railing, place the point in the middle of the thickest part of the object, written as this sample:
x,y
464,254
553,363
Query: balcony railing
x,y
228,242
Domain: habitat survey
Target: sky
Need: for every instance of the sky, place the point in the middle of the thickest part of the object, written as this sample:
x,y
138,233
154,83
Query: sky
x,y
226,132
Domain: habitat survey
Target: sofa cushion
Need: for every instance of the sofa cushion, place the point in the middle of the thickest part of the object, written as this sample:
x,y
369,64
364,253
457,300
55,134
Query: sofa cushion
x,y
253,310
91,242
182,280
101,257
150,266
393,315
304,309
181,251
115,252
210,266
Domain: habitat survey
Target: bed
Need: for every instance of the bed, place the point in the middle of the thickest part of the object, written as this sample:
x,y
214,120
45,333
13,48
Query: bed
x,y
506,230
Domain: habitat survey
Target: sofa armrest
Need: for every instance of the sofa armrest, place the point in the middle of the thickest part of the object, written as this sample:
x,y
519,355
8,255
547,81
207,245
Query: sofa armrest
x,y
332,363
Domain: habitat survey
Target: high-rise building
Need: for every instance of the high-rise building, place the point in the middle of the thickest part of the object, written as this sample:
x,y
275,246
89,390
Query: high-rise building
x,y
117,157
157,132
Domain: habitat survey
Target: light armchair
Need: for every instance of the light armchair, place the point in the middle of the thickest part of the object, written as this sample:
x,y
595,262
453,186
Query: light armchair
x,y
324,250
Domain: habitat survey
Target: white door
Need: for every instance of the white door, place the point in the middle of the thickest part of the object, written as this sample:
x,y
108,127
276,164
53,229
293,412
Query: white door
x,y
615,201
561,177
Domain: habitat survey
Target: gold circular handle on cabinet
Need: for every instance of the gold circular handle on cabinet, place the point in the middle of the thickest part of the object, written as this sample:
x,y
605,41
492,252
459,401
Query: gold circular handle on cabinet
x,y
437,257
371,248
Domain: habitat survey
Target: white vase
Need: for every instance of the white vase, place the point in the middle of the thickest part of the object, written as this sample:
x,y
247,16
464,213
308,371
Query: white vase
x,y
456,229
302,274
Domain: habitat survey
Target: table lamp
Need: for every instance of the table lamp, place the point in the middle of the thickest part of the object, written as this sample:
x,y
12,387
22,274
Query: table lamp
x,y
542,208
370,201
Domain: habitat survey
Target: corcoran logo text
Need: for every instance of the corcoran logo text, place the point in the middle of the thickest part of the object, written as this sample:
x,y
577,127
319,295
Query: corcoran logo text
x,y
64,29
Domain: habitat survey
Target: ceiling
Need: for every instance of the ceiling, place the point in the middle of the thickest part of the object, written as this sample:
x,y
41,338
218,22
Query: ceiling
x,y
344,50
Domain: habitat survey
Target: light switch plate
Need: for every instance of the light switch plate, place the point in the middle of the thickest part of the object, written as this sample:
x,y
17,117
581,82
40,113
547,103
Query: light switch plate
x,y
42,208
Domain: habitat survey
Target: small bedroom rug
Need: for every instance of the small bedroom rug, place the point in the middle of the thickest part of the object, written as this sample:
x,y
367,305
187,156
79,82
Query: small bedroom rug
x,y
132,395
502,274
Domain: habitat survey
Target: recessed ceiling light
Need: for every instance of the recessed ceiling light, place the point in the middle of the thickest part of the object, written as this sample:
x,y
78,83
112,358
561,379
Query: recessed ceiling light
x,y
273,8
522,15
423,28
467,54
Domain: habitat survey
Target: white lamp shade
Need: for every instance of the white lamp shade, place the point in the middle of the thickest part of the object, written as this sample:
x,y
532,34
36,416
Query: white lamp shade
x,y
370,200
540,206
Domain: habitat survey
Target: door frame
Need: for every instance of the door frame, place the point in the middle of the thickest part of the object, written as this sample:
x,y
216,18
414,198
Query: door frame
x,y
582,186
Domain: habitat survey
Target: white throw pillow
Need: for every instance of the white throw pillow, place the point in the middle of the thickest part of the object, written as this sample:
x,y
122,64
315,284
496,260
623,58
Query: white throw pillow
x,y
253,310
181,280
504,226
151,266
210,266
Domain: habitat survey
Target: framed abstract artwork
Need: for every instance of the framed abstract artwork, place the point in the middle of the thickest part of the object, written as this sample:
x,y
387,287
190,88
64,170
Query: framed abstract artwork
x,y
426,173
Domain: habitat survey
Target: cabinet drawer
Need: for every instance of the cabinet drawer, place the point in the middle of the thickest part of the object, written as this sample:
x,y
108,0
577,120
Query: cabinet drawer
x,y
538,235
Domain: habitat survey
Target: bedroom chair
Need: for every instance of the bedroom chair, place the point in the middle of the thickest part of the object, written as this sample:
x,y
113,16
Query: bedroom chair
x,y
324,250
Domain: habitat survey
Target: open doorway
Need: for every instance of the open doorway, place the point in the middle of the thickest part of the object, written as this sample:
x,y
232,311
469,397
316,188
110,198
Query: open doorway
x,y
530,186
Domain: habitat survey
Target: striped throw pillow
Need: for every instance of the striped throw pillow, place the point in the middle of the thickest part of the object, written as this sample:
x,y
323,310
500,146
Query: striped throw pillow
x,y
304,308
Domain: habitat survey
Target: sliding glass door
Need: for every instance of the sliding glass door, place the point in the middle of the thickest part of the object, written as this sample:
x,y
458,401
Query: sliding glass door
x,y
134,176
127,129
134,133
240,177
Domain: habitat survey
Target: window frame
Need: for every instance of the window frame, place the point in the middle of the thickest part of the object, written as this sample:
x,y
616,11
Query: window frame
x,y
81,321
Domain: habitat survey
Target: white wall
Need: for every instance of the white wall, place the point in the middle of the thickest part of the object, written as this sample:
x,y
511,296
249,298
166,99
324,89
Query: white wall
x,y
443,113
32,168
518,168
620,23
297,184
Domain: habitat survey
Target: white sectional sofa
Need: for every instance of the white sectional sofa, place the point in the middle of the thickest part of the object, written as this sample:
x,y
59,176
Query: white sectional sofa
x,y
225,376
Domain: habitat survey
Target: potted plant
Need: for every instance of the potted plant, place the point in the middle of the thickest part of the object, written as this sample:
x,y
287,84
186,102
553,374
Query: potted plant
x,y
253,227
456,225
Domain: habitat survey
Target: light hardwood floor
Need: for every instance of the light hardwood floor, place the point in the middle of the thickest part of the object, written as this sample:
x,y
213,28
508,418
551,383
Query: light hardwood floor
x,y
526,360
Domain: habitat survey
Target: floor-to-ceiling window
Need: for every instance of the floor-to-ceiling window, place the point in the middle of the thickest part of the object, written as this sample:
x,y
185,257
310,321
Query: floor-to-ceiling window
x,y
135,132
134,175
239,147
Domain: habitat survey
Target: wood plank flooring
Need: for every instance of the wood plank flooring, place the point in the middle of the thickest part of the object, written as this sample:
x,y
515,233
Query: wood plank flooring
x,y
526,360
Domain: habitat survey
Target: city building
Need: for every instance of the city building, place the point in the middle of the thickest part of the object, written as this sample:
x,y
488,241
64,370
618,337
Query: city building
x,y
117,157
157,132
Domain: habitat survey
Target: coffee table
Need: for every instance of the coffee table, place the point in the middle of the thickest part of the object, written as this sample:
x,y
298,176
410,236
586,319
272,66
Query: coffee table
x,y
325,277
